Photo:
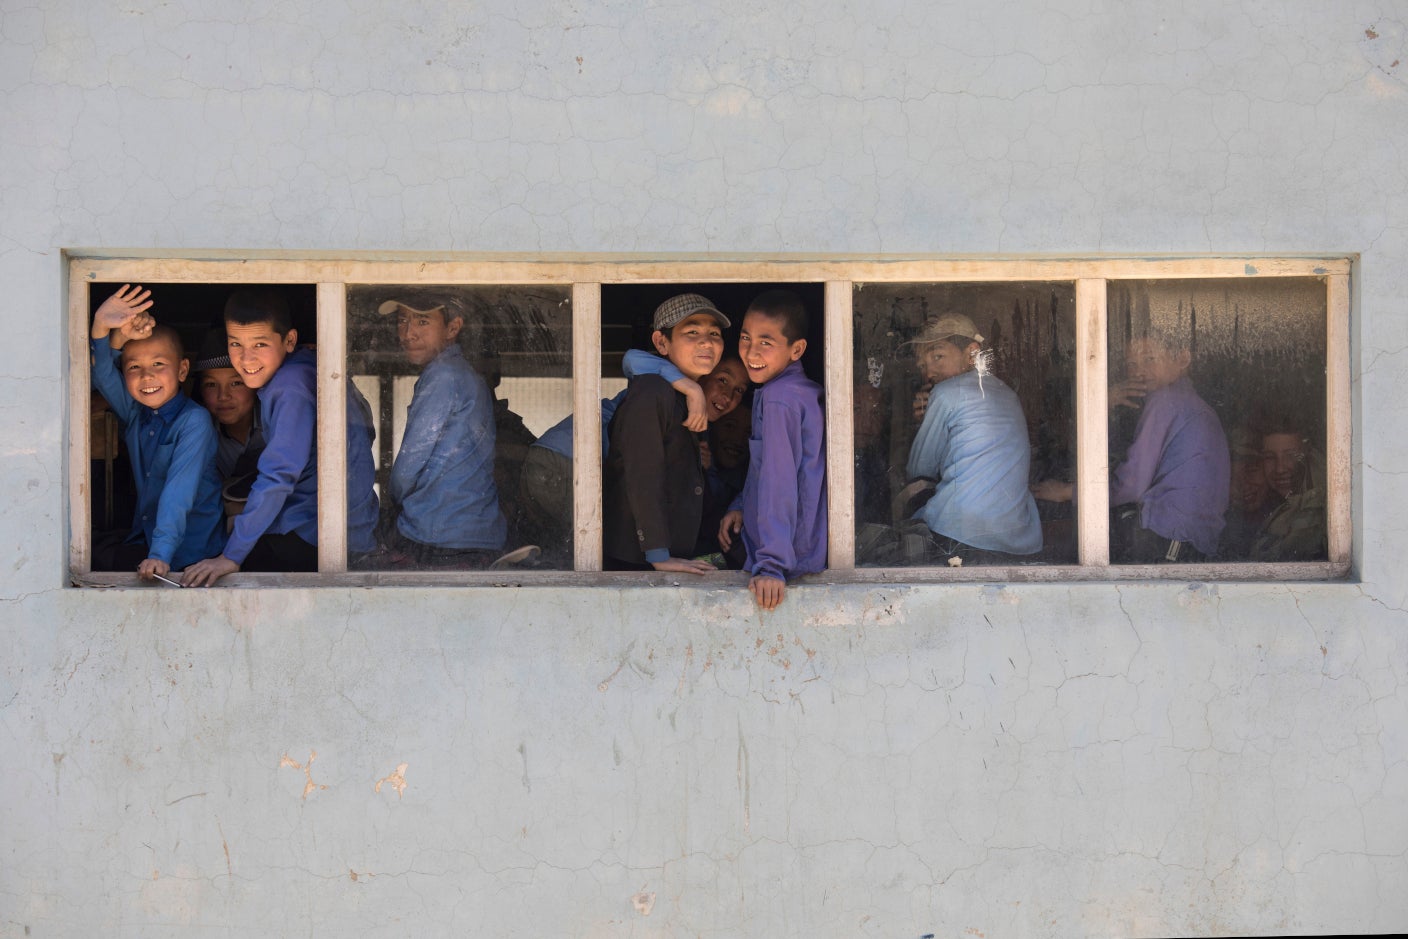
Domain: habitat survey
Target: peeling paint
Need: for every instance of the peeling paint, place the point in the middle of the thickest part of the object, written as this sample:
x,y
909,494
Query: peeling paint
x,y
643,902
307,768
396,780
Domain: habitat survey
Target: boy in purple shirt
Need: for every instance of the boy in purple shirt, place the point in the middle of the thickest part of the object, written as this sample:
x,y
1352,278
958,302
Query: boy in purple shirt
x,y
1169,496
782,510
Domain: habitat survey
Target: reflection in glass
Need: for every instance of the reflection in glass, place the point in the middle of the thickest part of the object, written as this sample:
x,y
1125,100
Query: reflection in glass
x,y
1217,422
963,398
459,381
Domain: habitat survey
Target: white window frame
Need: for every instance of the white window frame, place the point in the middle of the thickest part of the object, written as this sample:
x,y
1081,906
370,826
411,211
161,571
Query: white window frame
x,y
585,276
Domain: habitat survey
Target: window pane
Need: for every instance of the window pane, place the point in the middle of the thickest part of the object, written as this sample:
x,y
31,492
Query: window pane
x,y
963,399
458,383
1217,420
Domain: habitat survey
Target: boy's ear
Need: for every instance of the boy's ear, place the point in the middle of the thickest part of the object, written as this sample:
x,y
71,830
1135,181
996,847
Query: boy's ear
x,y
453,327
1184,358
291,340
184,370
796,349
661,342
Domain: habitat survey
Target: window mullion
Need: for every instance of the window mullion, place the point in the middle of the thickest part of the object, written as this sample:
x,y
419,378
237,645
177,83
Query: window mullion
x,y
586,427
1092,424
80,426
332,427
1339,421
840,428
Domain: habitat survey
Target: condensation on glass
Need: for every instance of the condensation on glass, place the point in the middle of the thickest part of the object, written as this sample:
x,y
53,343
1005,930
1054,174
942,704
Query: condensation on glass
x,y
459,383
1217,420
950,434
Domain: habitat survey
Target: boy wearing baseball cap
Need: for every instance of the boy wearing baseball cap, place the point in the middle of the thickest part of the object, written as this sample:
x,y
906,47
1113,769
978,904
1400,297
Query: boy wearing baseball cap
x,y
442,497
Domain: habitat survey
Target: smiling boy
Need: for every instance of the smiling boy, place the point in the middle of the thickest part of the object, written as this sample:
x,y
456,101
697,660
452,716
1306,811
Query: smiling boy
x,y
170,439
278,529
782,510
444,501
653,494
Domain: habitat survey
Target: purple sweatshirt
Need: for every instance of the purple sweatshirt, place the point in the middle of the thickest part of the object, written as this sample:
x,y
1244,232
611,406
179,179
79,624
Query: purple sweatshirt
x,y
1178,468
784,498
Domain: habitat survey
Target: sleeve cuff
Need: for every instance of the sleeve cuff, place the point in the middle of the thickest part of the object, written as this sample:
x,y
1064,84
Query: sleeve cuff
x,y
656,555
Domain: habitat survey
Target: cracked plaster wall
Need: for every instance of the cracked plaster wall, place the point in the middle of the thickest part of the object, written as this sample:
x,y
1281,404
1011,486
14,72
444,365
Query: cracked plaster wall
x,y
1034,760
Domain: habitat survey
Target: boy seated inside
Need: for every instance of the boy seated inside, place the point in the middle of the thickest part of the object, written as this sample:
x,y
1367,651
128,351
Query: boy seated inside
x,y
235,409
973,442
653,479
1296,528
546,488
442,502
138,367
781,512
1168,497
278,529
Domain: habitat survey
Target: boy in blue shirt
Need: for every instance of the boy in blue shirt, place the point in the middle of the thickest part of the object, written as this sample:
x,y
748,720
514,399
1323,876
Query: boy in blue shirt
x,y
443,499
782,510
170,439
278,529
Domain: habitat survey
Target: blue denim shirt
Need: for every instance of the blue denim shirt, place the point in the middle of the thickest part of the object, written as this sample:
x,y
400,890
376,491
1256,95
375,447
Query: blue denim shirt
x,y
442,481
172,449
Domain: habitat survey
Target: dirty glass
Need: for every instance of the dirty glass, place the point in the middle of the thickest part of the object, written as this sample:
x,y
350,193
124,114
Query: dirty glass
x,y
453,386
1217,420
952,430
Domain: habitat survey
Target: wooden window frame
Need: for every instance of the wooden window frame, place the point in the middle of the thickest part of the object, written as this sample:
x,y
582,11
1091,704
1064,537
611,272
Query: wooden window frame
x,y
585,276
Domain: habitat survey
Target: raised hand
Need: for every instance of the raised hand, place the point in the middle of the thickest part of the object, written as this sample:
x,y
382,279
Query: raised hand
x,y
119,309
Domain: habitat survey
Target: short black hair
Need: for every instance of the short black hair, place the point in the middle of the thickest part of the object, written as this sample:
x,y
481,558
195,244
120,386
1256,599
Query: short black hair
x,y
251,305
785,307
169,333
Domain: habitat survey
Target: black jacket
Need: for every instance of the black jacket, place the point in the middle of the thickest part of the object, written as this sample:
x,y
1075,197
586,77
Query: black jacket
x,y
653,482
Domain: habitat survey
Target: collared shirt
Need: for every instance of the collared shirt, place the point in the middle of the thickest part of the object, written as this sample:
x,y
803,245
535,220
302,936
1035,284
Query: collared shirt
x,y
1178,469
285,496
973,441
172,449
784,498
443,478
558,437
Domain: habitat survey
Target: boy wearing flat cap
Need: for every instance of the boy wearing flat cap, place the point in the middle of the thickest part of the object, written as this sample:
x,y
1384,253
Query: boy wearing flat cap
x,y
653,486
443,500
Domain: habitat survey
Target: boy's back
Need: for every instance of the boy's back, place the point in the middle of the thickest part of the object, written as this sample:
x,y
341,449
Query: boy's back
x,y
1178,468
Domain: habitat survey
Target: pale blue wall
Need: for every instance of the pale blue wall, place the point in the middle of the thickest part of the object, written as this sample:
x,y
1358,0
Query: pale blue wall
x,y
1035,760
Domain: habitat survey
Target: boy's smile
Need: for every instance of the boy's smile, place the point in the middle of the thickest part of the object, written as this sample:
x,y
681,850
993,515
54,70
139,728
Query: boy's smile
x,y
695,345
257,351
764,349
152,371
723,388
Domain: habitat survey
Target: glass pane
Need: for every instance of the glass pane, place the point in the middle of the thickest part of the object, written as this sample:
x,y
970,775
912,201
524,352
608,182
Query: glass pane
x,y
963,399
1217,420
133,480
458,384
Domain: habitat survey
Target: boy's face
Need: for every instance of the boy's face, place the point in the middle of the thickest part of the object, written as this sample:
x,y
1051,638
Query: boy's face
x,y
941,360
1282,455
764,349
723,388
152,370
694,345
226,396
257,351
1249,485
424,334
1153,365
